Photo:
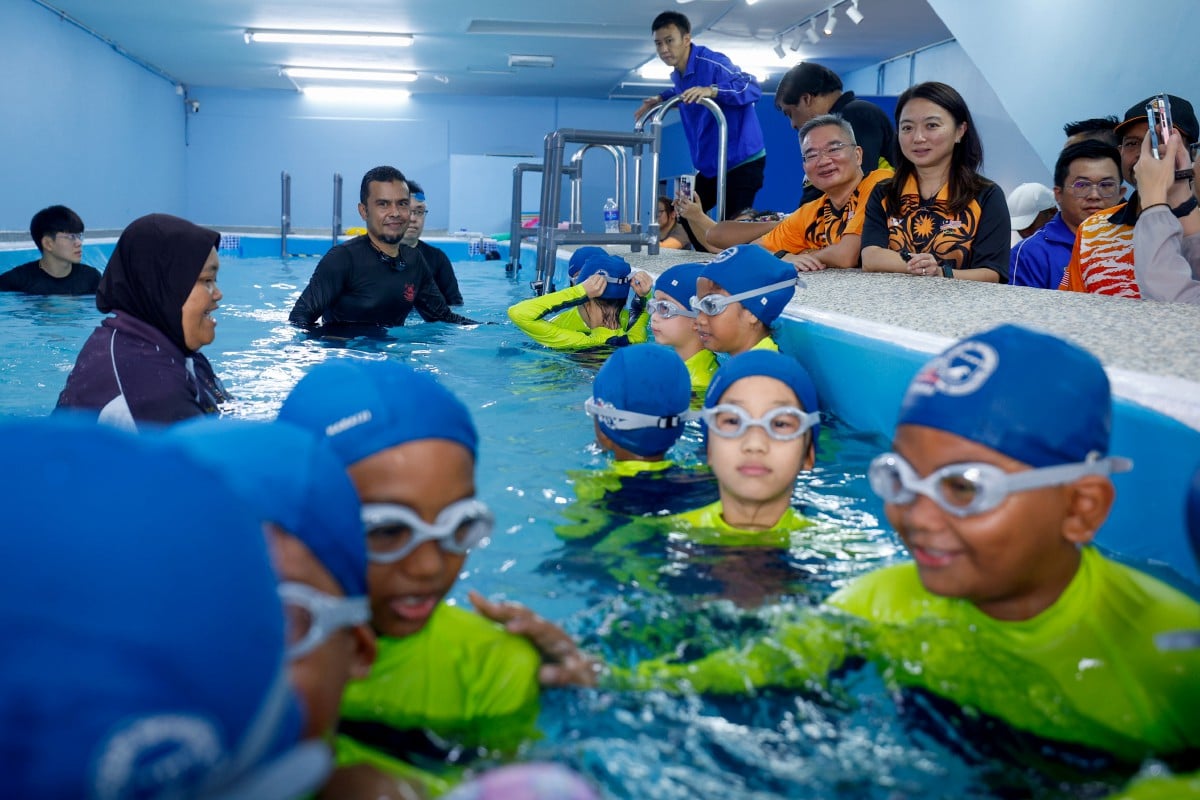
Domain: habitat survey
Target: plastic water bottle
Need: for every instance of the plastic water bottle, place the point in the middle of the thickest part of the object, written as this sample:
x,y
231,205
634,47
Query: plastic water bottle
x,y
612,217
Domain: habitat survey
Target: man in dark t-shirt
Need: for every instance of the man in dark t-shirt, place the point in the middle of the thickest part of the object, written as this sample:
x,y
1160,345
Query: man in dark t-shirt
x,y
437,261
58,233
809,90
373,279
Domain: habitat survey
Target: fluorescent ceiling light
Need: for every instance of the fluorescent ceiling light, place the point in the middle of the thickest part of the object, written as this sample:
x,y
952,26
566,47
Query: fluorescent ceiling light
x,y
750,60
530,61
330,37
655,70
328,73
356,94
853,13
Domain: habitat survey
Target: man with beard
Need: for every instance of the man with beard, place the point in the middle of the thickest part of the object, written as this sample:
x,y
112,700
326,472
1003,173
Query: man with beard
x,y
374,279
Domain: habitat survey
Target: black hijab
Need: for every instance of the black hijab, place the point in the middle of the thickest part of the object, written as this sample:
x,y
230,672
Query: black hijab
x,y
153,269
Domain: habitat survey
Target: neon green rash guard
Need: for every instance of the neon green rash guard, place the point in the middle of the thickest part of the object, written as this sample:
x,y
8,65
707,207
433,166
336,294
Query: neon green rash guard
x,y
587,517
553,320
707,526
1163,787
766,343
461,677
1085,670
701,367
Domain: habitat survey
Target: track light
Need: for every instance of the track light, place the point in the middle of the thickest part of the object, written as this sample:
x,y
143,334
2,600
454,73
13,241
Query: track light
x,y
811,34
830,23
779,47
853,13
798,38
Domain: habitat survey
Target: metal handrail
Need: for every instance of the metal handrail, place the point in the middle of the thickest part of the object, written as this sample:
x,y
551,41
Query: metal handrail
x,y
285,212
337,206
621,192
654,117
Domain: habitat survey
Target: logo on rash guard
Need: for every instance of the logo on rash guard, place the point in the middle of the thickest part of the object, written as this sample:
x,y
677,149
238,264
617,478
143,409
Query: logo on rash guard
x,y
410,292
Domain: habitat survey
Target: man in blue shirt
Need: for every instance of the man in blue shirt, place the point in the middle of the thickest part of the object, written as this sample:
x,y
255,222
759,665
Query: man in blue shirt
x,y
699,73
1087,179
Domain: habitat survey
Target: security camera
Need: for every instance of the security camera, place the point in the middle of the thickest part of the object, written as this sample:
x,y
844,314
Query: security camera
x,y
194,105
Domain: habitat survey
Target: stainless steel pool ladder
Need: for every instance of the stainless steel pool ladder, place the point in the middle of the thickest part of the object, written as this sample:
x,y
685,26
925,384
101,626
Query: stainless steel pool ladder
x,y
550,236
285,212
337,207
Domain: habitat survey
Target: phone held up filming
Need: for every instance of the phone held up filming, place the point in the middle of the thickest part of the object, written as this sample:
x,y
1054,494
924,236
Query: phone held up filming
x,y
1158,115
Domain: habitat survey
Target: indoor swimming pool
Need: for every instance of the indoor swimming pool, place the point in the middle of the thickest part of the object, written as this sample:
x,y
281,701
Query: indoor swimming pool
x,y
854,737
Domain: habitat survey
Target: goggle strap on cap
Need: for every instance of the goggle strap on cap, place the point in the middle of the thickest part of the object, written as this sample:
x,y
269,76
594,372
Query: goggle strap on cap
x,y
622,420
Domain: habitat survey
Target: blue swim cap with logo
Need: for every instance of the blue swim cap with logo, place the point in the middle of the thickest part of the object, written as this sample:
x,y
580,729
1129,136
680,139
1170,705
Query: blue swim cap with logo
x,y
747,267
649,379
1027,394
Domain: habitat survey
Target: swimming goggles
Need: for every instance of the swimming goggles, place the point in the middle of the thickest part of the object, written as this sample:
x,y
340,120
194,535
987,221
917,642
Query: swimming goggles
x,y
621,420
611,279
313,616
394,531
782,424
964,490
667,309
713,304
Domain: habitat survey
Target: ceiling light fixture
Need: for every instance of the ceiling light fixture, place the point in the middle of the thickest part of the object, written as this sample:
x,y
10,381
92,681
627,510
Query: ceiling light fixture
x,y
830,23
798,37
530,61
326,73
853,13
356,94
751,2
779,51
355,38
811,32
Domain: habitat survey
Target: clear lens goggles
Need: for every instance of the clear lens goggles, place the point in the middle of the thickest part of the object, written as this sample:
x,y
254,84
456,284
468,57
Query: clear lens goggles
x,y
621,420
394,531
713,304
313,616
611,279
667,309
964,490
782,424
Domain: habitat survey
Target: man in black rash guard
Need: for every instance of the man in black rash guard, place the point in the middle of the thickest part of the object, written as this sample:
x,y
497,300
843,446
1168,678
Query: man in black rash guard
x,y
437,261
373,279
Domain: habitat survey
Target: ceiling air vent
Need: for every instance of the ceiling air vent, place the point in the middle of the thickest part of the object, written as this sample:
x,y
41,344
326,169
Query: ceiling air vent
x,y
530,61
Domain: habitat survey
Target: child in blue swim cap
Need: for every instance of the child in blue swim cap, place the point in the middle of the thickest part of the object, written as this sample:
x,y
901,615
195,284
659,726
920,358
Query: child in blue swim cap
x,y
145,638
590,313
444,678
673,322
739,295
1005,598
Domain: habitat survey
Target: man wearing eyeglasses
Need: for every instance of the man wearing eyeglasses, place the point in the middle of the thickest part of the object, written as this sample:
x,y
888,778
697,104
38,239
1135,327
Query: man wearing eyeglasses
x,y
58,233
827,231
437,261
1102,261
1087,180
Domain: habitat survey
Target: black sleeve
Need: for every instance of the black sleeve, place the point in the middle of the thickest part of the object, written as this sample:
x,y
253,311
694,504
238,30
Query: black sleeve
x,y
326,284
875,232
443,274
990,248
431,305
7,283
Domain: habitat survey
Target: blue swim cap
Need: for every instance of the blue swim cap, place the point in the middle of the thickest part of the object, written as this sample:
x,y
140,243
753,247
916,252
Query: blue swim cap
x,y
1026,394
292,478
680,282
614,267
647,379
363,407
770,364
580,257
747,267
144,651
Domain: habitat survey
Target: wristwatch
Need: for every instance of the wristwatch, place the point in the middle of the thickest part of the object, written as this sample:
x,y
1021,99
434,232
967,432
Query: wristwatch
x,y
947,269
1185,208
715,89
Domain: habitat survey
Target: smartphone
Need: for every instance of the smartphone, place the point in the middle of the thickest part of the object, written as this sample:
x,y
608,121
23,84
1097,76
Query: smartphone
x,y
684,188
1158,115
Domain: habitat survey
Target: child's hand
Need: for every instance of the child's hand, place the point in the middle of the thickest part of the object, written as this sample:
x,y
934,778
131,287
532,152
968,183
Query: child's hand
x,y
595,285
563,663
642,283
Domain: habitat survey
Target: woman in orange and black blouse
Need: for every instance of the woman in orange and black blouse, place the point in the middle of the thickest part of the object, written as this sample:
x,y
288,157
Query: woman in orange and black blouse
x,y
938,217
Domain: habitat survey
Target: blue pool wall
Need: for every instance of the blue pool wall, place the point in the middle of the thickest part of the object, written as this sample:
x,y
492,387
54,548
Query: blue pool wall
x,y
863,378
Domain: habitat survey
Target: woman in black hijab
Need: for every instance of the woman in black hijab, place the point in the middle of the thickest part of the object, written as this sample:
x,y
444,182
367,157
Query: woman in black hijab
x,y
143,363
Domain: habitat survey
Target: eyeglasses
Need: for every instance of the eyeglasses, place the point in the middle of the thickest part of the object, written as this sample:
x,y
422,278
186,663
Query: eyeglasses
x,y
830,151
418,212
667,309
964,490
394,531
1105,188
1130,144
312,616
782,424
713,304
71,237
622,420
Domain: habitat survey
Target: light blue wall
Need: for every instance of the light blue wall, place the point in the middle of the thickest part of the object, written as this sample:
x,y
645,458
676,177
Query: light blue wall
x,y
82,126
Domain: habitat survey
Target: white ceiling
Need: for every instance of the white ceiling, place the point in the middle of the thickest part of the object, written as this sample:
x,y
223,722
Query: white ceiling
x,y
596,44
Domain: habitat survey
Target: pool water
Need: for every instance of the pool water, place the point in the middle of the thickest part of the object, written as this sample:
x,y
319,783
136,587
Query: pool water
x,y
852,738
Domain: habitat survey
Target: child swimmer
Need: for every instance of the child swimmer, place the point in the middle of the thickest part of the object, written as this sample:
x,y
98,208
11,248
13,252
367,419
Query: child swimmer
x,y
739,295
673,322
